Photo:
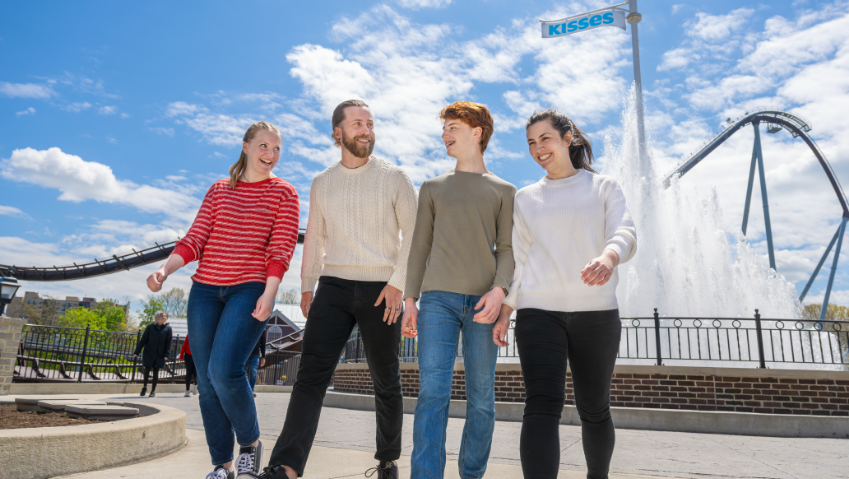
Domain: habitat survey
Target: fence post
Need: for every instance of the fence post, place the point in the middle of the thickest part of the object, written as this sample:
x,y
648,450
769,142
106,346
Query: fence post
x,y
657,336
82,357
135,359
760,340
174,359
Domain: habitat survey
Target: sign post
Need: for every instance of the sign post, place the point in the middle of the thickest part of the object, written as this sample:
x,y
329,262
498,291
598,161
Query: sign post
x,y
613,16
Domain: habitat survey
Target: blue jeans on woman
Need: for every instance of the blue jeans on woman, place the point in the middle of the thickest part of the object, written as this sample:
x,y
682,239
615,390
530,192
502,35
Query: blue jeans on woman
x,y
253,367
224,334
442,317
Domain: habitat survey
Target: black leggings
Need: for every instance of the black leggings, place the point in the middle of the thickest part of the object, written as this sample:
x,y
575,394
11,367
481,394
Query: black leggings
x,y
589,341
155,378
190,370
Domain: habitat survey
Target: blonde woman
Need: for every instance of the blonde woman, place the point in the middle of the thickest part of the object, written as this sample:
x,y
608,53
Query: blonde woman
x,y
243,238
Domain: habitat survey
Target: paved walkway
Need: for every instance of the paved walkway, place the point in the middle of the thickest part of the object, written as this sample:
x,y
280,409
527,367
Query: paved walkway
x,y
345,440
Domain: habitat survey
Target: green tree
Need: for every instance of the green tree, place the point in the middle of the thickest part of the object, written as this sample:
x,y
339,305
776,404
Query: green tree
x,y
112,315
150,307
174,302
82,317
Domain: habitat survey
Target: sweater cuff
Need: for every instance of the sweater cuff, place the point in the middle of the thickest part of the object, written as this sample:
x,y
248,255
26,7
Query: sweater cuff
x,y
184,252
276,270
308,284
618,249
398,280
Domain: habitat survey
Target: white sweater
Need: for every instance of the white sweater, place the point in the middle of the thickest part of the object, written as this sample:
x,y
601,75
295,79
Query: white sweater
x,y
355,219
558,227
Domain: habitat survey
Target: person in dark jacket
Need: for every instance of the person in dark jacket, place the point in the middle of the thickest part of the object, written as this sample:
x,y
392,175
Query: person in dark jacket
x,y
257,360
191,371
156,342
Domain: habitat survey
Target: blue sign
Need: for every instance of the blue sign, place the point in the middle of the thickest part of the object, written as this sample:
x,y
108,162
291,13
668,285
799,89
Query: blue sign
x,y
580,23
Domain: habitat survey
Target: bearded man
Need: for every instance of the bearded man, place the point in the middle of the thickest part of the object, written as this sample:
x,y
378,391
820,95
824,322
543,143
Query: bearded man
x,y
353,250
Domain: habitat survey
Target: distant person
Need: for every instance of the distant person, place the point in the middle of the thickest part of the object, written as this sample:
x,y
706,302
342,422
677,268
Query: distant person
x,y
570,231
191,371
257,360
353,273
156,341
459,269
243,238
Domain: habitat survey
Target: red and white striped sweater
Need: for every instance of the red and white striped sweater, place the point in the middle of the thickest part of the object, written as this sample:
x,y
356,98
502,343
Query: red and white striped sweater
x,y
243,235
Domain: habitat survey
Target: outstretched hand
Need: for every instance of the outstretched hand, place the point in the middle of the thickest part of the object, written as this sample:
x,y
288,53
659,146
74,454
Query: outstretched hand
x,y
264,305
392,296
489,306
410,319
155,280
599,271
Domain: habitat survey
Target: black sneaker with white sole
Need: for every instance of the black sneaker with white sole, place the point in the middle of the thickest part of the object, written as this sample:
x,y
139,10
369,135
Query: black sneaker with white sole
x,y
249,462
384,470
270,472
221,473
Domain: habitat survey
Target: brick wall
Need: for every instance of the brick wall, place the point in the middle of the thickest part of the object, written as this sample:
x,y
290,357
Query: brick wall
x,y
10,338
824,393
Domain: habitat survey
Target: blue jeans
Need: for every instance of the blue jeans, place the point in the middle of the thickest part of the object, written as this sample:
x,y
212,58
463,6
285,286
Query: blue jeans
x,y
253,366
442,317
223,336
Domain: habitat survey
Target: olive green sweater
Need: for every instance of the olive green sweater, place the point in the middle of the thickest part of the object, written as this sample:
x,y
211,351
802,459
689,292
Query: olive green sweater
x,y
462,240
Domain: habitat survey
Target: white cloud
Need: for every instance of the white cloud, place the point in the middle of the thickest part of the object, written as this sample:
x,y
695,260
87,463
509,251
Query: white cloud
x,y
718,27
416,4
26,90
162,131
81,180
12,211
76,107
28,111
107,110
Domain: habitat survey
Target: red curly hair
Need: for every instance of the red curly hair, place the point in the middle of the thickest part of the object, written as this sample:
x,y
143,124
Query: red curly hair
x,y
473,114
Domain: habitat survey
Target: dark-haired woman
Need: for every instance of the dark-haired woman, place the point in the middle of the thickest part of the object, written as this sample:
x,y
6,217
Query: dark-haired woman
x,y
570,231
243,238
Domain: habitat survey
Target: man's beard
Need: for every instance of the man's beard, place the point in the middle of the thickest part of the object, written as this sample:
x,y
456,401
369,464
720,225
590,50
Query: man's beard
x,y
356,148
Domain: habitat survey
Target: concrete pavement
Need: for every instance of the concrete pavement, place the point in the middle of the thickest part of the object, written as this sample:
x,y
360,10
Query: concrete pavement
x,y
345,442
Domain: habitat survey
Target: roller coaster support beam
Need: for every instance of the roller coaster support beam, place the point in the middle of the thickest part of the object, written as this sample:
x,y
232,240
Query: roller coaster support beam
x,y
762,177
833,269
634,18
749,190
819,265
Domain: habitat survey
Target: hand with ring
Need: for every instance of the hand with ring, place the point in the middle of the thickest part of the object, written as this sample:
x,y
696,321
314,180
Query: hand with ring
x,y
391,297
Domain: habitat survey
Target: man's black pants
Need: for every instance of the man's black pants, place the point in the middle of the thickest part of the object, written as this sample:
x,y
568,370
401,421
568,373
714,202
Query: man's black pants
x,y
589,342
338,305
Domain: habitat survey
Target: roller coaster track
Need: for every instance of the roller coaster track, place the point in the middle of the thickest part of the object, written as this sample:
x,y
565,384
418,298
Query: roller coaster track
x,y
111,265
776,120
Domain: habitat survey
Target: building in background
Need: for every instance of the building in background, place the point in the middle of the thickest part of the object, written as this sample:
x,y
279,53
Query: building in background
x,y
50,309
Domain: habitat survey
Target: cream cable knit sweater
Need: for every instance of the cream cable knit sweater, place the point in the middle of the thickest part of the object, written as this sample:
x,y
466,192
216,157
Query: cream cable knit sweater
x,y
558,227
354,223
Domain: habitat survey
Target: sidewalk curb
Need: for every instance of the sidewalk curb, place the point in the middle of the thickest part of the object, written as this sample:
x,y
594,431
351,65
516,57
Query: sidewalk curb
x,y
711,422
40,453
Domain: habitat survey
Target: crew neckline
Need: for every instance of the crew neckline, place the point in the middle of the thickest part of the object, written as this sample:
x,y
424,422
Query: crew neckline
x,y
353,171
471,172
256,183
545,181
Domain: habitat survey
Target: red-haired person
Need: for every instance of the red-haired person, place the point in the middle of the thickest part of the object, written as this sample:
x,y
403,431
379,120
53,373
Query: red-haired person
x,y
243,238
459,269
571,230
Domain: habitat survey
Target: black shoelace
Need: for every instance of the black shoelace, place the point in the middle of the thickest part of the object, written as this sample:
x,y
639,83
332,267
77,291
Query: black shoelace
x,y
382,472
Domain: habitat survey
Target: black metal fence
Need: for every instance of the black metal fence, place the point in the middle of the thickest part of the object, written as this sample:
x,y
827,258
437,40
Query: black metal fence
x,y
59,354
281,368
743,342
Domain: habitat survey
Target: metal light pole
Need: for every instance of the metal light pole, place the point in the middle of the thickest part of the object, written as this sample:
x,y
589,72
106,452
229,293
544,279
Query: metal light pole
x,y
612,16
633,19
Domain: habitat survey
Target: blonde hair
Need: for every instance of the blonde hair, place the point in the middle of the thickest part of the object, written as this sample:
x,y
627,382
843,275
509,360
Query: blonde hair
x,y
240,166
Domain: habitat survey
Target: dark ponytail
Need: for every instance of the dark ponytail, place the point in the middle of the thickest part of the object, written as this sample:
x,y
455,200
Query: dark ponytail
x,y
580,151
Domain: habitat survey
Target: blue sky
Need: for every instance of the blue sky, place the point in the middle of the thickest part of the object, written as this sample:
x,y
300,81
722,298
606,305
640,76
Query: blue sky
x,y
117,117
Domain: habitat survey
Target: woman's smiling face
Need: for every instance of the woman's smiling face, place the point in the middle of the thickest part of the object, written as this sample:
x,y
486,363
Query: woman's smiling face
x,y
547,147
263,152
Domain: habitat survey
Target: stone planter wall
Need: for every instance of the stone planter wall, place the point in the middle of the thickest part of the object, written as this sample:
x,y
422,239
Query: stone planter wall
x,y
768,391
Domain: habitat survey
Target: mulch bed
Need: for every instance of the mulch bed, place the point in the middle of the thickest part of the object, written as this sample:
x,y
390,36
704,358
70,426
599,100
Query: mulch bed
x,y
11,418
